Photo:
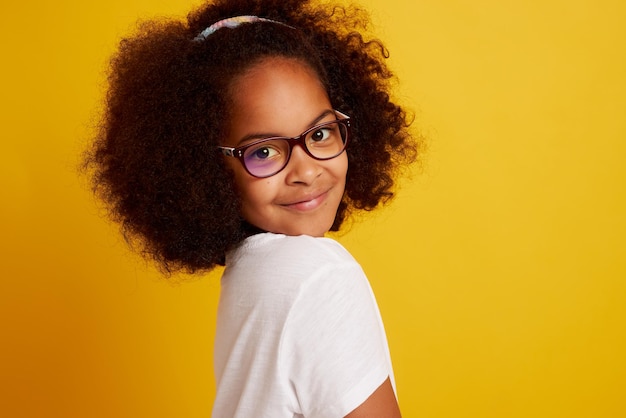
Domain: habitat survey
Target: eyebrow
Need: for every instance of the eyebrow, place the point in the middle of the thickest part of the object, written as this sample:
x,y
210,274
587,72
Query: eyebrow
x,y
255,136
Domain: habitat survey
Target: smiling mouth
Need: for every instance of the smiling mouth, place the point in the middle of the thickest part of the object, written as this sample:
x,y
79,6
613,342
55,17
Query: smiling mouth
x,y
307,204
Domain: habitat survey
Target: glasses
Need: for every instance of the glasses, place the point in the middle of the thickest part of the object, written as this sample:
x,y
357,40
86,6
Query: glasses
x,y
268,156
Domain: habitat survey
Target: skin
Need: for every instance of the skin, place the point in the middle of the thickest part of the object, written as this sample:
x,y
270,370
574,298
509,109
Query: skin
x,y
281,97
381,404
284,97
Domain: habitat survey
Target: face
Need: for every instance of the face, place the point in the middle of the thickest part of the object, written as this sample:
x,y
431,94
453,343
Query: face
x,y
284,97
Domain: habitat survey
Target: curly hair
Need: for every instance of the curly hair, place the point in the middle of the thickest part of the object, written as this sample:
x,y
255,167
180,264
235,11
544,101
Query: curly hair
x,y
154,160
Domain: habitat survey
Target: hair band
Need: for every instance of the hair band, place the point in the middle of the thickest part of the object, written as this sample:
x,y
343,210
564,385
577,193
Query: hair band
x,y
232,22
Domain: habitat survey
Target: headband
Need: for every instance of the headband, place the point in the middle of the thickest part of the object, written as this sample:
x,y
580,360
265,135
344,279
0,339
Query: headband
x,y
232,22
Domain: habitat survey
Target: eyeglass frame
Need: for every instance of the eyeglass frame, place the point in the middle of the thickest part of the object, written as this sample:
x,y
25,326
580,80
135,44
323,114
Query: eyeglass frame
x,y
238,152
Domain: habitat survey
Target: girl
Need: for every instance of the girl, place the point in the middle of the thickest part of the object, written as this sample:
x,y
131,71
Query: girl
x,y
239,138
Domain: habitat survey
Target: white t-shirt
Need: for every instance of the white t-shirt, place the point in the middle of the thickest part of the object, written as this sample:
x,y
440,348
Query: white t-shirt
x,y
299,333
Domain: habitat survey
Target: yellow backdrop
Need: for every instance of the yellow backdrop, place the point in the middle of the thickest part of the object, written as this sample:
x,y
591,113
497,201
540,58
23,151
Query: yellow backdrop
x,y
500,269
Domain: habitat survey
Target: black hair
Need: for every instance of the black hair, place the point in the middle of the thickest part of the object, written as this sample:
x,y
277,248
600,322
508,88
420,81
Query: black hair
x,y
154,160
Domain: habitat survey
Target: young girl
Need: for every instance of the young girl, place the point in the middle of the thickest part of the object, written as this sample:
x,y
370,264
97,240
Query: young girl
x,y
240,138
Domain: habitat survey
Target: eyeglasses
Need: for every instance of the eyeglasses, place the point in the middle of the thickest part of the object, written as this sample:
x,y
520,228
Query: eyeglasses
x,y
268,156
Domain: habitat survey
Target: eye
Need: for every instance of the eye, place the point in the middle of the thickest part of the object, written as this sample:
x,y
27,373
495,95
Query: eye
x,y
321,134
266,151
262,152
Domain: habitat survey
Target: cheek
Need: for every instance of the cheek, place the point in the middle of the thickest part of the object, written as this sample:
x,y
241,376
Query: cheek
x,y
248,200
254,194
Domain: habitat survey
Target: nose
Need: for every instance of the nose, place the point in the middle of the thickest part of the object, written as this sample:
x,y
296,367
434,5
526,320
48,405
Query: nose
x,y
302,168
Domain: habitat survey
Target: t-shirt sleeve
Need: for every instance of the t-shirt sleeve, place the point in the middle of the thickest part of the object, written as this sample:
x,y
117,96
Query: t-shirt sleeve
x,y
334,347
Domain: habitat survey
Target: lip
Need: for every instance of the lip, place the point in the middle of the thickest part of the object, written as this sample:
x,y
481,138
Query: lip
x,y
307,203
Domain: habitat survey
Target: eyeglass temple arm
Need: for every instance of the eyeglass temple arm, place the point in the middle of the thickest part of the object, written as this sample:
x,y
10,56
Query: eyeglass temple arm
x,y
227,151
343,115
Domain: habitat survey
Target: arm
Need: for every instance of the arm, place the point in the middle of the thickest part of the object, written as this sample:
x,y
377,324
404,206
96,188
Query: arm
x,y
381,404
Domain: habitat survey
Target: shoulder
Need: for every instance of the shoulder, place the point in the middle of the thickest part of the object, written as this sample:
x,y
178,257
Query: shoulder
x,y
288,252
290,244
285,266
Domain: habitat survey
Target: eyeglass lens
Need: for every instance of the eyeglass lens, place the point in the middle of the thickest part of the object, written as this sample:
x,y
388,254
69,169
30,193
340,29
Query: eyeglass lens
x,y
322,142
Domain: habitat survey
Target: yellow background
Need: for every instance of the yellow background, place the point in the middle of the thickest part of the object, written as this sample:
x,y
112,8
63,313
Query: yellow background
x,y
500,269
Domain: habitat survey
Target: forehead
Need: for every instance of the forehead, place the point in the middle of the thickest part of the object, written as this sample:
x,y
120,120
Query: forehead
x,y
276,96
